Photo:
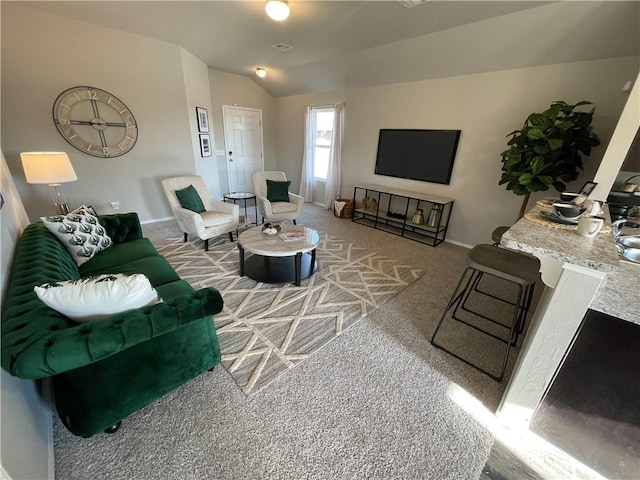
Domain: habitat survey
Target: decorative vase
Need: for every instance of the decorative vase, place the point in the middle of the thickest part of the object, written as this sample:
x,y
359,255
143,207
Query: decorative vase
x,y
434,216
418,217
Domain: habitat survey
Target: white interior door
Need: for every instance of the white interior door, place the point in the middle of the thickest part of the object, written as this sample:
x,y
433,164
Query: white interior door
x,y
243,141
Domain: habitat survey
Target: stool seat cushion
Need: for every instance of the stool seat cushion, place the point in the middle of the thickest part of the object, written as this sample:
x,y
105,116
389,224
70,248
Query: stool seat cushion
x,y
503,263
496,235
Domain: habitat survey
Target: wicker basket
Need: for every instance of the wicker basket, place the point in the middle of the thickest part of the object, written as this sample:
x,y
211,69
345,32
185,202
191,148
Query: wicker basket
x,y
347,211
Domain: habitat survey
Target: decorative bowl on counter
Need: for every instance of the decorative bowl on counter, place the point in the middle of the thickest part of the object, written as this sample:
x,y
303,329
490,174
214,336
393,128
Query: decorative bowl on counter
x,y
271,228
568,211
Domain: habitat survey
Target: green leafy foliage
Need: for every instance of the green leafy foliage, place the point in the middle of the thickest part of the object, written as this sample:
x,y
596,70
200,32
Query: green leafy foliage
x,y
547,151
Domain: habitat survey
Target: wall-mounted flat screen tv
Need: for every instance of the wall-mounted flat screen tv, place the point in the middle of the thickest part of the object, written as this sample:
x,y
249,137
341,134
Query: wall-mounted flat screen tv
x,y
425,155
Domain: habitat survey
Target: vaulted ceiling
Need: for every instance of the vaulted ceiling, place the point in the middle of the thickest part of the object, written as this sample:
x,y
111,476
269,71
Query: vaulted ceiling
x,y
342,44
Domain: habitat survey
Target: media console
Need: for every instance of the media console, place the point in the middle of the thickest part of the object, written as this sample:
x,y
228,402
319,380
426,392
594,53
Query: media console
x,y
393,210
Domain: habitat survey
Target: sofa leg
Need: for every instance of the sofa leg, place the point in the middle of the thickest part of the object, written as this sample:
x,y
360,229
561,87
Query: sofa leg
x,y
185,236
230,236
113,428
206,245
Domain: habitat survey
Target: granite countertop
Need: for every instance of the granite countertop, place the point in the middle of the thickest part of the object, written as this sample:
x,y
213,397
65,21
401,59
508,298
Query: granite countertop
x,y
619,294
598,253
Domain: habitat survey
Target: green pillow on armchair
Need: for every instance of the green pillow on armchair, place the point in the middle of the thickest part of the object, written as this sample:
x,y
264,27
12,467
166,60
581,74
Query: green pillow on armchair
x,y
189,199
274,201
278,191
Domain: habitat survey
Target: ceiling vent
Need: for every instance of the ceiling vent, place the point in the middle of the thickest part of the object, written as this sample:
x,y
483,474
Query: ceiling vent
x,y
411,3
283,47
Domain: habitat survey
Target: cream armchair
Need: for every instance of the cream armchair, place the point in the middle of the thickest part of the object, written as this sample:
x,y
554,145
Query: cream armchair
x,y
275,211
218,218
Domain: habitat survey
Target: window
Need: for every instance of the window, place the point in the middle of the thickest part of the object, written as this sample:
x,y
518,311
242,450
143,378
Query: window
x,y
322,125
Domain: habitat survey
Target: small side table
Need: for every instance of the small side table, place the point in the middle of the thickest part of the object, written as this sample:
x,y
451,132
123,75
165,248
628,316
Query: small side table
x,y
243,196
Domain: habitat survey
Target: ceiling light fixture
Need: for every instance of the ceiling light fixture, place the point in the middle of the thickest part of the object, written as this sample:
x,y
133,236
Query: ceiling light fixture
x,y
277,9
261,72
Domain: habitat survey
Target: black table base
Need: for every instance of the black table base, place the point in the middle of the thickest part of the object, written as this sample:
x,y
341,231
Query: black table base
x,y
278,269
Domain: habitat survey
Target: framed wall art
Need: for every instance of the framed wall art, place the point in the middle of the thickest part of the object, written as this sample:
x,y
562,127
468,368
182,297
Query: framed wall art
x,y
587,188
203,119
205,145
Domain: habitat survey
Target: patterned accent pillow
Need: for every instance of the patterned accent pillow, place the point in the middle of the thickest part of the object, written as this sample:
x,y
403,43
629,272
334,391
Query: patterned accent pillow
x,y
96,297
80,232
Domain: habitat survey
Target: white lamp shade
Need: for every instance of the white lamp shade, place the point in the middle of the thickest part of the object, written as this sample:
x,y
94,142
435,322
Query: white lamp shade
x,y
47,167
277,9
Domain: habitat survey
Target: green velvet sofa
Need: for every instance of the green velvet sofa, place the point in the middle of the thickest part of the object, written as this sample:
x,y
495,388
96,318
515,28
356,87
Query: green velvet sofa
x,y
106,370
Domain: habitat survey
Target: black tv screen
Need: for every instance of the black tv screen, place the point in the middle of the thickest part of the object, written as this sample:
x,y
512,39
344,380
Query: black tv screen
x,y
425,155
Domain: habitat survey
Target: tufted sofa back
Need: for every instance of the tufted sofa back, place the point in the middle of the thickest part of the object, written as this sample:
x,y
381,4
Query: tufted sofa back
x,y
39,258
27,324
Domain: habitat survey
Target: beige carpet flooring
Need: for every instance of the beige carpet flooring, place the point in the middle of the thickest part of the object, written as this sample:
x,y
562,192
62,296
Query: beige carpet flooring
x,y
378,401
421,303
267,329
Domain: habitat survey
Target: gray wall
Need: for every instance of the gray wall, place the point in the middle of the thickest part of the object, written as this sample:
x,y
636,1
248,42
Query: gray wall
x,y
44,54
612,174
26,434
196,80
486,107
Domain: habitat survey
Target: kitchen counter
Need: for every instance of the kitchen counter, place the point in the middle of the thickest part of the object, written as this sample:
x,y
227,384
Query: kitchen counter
x,y
598,253
573,269
619,294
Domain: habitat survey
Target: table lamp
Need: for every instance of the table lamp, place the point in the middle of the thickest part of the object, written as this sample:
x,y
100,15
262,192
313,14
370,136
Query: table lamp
x,y
53,169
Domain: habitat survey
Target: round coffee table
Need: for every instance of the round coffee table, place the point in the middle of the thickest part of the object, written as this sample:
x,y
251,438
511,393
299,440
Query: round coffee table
x,y
288,256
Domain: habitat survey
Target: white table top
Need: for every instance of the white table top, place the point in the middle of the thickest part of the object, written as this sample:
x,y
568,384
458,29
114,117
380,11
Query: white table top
x,y
239,195
254,241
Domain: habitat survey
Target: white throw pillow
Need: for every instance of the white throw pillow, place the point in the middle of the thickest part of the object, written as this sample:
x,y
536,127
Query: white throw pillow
x,y
94,298
80,232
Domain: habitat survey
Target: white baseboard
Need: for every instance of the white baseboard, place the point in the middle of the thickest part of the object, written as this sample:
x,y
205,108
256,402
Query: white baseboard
x,y
47,396
155,220
460,244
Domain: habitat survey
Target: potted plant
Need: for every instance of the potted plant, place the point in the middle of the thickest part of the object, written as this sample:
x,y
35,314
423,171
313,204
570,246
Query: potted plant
x,y
547,151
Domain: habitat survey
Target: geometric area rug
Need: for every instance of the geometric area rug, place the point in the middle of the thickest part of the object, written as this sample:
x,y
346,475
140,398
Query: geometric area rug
x,y
265,329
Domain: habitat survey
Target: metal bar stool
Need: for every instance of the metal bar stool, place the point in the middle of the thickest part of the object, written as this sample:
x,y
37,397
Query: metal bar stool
x,y
517,268
496,235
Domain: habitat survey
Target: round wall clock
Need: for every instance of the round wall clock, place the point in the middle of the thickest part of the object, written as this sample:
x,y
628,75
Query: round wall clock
x,y
95,122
